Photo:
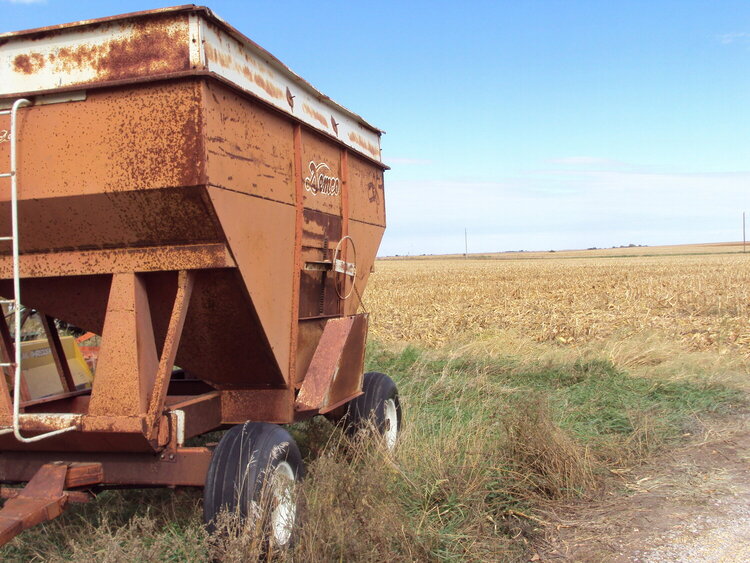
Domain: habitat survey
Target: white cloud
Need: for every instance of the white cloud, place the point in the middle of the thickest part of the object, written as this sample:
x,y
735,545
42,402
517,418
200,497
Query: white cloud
x,y
25,1
734,37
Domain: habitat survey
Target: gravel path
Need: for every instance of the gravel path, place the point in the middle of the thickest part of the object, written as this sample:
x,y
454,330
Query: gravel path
x,y
720,532
692,506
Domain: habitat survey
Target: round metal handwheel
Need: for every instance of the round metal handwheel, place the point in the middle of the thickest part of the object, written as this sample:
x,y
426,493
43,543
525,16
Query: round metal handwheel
x,y
253,474
378,405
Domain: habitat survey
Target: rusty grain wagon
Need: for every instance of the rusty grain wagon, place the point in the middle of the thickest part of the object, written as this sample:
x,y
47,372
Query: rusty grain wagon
x,y
172,187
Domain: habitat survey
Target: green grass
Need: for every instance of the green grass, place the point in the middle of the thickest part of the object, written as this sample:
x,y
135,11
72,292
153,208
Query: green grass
x,y
485,441
594,400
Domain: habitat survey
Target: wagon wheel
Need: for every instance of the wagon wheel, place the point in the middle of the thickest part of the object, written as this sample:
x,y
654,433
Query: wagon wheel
x,y
377,407
253,474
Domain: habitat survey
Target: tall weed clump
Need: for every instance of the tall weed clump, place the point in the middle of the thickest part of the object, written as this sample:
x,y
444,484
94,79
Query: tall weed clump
x,y
542,458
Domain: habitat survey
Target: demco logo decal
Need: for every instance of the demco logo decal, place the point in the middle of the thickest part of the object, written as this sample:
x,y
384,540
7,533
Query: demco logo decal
x,y
320,181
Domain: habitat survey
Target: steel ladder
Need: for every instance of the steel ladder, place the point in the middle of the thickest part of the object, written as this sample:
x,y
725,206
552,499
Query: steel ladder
x,y
15,303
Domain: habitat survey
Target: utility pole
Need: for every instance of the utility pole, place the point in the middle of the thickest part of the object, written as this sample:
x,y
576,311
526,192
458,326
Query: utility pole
x,y
466,243
743,233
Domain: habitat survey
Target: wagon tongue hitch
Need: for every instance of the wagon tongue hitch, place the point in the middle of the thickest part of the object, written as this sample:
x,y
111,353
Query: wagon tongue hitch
x,y
45,497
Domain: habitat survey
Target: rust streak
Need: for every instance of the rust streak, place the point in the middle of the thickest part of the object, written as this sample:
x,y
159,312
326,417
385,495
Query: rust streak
x,y
235,156
212,55
151,47
312,112
358,139
269,87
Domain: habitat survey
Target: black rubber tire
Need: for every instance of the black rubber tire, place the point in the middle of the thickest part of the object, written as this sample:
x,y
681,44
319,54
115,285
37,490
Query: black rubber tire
x,y
246,456
371,405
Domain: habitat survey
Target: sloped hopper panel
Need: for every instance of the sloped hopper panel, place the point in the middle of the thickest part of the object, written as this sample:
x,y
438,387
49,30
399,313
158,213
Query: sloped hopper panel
x,y
223,341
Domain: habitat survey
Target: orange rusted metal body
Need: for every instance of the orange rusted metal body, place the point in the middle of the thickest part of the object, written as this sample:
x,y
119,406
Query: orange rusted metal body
x,y
187,197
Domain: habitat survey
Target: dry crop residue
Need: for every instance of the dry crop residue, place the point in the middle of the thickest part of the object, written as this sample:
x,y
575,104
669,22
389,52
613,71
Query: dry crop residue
x,y
701,301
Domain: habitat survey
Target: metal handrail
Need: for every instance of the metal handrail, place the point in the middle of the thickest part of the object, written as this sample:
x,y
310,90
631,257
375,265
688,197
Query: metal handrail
x,y
18,104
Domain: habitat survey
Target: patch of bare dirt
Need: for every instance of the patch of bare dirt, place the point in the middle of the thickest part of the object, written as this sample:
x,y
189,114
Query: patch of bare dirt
x,y
690,505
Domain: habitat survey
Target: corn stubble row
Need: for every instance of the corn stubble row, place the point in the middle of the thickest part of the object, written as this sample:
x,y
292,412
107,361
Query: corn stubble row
x,y
700,301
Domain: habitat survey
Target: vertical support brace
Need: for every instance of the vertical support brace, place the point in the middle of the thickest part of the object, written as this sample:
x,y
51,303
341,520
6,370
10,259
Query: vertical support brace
x,y
58,354
128,361
345,217
299,191
7,352
185,282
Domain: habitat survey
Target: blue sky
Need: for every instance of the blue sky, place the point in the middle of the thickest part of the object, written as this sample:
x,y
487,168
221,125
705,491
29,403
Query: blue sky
x,y
534,124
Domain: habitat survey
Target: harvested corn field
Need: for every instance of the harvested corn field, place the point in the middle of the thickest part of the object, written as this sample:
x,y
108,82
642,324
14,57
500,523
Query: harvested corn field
x,y
701,301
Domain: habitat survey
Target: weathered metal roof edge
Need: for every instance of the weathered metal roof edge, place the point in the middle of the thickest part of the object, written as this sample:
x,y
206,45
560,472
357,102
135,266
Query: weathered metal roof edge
x,y
209,14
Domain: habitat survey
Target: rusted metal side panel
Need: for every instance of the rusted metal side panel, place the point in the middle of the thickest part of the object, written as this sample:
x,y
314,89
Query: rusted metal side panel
x,y
141,218
261,235
347,382
321,163
367,201
223,342
243,63
123,139
367,238
335,372
308,334
324,365
269,405
104,52
92,165
249,146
